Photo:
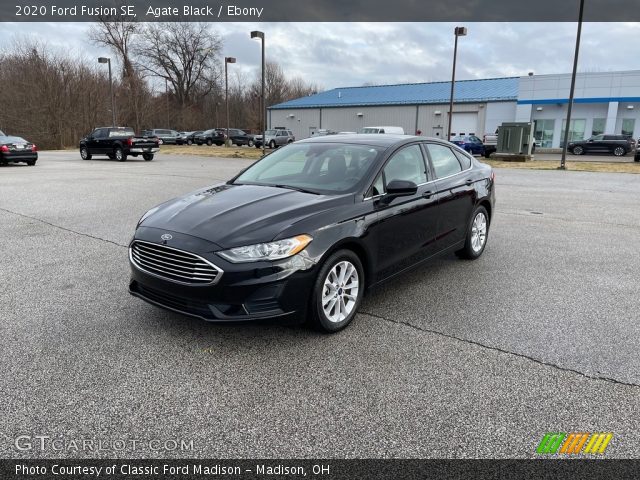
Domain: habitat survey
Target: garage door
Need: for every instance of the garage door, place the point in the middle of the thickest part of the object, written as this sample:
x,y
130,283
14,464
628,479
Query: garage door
x,y
464,123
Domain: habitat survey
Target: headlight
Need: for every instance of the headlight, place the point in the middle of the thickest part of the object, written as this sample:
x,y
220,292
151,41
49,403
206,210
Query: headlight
x,y
150,212
267,251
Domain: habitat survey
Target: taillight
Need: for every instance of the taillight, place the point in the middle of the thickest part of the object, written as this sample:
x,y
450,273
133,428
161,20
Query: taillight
x,y
493,176
129,141
34,148
4,148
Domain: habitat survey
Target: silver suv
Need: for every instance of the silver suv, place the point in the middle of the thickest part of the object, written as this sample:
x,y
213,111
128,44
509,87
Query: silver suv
x,y
275,138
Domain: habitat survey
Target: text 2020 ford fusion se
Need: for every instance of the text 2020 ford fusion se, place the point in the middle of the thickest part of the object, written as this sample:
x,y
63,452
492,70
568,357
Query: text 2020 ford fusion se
x,y
301,233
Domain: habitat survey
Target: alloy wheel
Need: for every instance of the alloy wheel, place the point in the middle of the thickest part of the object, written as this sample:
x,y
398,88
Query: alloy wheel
x,y
340,291
479,232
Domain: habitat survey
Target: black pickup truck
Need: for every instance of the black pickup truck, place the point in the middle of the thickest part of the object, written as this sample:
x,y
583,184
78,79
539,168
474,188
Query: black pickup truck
x,y
117,143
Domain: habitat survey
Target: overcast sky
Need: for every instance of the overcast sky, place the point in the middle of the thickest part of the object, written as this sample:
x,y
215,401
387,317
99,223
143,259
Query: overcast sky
x,y
351,54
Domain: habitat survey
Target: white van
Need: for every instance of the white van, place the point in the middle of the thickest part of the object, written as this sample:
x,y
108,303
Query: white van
x,y
396,130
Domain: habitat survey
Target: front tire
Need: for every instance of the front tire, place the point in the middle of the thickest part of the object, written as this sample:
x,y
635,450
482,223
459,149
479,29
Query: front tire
x,y
250,143
209,143
84,153
337,292
147,157
119,155
272,144
189,142
477,235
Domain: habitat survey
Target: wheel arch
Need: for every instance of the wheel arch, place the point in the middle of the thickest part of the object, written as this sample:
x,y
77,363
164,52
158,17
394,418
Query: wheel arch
x,y
356,247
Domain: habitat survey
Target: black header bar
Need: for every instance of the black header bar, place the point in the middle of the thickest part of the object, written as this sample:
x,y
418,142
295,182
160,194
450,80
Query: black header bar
x,y
318,10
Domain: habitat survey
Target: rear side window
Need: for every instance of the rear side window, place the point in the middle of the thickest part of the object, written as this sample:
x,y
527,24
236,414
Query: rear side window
x,y
464,160
444,161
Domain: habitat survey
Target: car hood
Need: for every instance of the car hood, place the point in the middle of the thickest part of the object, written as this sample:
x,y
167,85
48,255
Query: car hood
x,y
236,215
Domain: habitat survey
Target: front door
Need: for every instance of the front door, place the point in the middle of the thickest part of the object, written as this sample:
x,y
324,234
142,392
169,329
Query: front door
x,y
405,230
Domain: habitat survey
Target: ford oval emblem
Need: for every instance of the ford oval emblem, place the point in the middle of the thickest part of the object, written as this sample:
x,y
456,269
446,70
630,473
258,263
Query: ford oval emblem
x,y
166,237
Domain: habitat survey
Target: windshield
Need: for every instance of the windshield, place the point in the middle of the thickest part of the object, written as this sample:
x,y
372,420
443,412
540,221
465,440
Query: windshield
x,y
2,134
316,167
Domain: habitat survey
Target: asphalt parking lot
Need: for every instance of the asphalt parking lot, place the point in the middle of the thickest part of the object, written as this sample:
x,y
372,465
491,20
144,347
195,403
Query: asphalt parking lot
x,y
457,359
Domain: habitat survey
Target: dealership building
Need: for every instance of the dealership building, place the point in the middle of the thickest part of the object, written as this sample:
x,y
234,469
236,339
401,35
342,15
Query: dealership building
x,y
607,102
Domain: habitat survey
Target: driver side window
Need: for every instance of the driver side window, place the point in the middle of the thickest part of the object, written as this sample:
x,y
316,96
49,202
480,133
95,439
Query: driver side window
x,y
406,164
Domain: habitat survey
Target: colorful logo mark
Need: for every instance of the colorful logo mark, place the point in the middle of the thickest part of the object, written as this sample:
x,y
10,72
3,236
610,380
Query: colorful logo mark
x,y
574,443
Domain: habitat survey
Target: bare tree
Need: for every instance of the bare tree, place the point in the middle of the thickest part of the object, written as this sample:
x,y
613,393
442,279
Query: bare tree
x,y
185,54
119,37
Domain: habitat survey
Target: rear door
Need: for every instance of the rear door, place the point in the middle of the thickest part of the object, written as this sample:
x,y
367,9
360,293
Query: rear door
x,y
406,228
455,193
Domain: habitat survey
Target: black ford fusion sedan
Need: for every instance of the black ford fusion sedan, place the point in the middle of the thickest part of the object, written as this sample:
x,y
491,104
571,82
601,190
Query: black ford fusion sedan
x,y
303,232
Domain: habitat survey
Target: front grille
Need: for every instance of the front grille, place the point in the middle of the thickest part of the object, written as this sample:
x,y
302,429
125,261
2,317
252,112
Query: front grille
x,y
172,264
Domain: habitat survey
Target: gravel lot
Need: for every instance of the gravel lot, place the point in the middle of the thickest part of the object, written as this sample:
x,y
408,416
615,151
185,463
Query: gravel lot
x,y
456,359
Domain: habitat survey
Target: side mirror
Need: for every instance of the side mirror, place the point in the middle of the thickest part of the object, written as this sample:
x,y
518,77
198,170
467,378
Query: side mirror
x,y
398,188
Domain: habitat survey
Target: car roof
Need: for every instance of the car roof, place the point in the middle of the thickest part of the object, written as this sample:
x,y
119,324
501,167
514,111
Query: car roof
x,y
374,139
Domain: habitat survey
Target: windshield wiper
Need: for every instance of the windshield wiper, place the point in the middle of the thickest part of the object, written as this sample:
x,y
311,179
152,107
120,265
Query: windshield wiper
x,y
298,189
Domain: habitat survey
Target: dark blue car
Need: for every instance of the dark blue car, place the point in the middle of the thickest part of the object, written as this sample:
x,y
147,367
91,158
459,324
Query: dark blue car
x,y
470,143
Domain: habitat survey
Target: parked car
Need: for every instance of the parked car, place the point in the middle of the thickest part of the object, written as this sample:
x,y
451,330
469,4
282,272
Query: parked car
x,y
170,137
303,232
618,145
17,150
396,130
323,131
117,143
275,138
490,141
214,135
189,138
469,143
240,137
636,157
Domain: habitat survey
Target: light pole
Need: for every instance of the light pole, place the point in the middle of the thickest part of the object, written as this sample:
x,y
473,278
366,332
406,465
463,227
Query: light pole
x,y
166,99
263,119
113,102
458,32
227,60
563,160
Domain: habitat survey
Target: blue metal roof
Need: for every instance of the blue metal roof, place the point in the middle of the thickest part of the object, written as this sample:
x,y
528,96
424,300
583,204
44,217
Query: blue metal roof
x,y
489,90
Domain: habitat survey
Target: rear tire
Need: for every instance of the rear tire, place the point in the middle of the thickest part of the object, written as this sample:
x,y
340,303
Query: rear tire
x,y
147,157
577,150
337,292
250,143
84,153
189,142
31,163
619,151
119,155
209,143
477,235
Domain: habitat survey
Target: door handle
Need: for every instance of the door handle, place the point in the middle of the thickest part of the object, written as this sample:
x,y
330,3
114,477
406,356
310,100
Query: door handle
x,y
428,194
469,182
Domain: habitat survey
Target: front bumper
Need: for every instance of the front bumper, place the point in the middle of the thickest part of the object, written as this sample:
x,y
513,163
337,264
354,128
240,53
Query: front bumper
x,y
244,292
